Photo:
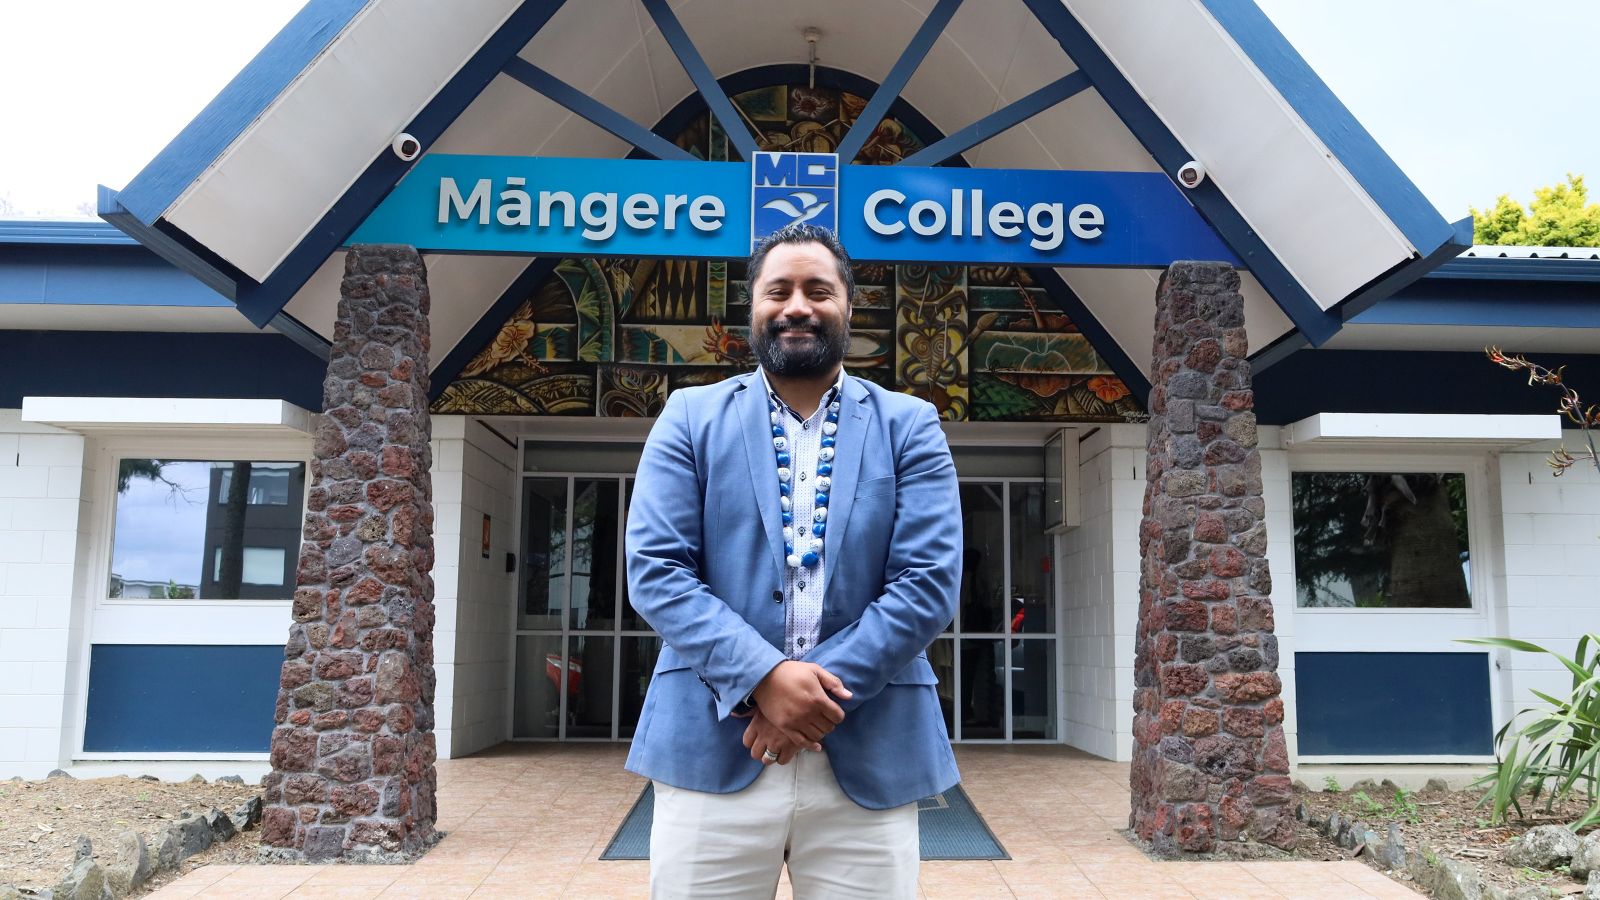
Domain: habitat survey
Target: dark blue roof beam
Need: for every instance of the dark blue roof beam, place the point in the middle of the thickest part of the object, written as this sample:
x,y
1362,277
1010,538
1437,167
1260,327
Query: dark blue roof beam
x,y
700,74
1316,324
594,111
895,82
108,206
262,302
1011,115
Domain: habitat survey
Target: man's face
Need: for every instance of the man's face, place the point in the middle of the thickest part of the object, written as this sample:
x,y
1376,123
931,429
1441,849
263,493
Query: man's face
x,y
799,314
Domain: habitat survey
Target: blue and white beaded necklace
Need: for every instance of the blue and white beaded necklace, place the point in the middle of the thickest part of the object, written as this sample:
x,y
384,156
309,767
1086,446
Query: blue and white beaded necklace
x,y
802,547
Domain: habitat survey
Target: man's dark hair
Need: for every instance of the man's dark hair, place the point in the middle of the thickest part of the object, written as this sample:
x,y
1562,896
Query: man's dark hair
x,y
801,233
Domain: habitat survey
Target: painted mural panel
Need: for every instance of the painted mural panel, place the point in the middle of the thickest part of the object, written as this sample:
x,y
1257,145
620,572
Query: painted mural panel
x,y
612,337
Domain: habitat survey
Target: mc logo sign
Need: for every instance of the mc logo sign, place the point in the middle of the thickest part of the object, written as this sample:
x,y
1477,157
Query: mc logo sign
x,y
787,188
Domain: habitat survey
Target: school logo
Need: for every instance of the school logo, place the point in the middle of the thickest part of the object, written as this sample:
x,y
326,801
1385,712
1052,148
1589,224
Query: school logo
x,y
788,188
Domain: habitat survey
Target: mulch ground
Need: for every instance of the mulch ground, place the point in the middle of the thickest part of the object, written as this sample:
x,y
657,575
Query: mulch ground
x,y
1452,823
40,822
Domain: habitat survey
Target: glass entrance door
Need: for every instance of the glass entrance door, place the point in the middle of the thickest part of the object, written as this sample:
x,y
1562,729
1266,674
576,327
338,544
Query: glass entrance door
x,y
583,657
997,661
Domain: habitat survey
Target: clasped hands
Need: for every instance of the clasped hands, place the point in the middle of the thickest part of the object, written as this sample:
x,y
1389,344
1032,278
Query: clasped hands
x,y
793,711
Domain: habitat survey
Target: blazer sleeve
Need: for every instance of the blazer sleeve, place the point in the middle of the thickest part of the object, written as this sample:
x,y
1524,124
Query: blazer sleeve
x,y
922,572
665,542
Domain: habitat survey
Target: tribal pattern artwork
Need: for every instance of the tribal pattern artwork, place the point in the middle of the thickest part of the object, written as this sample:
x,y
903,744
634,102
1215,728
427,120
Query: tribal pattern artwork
x,y
613,337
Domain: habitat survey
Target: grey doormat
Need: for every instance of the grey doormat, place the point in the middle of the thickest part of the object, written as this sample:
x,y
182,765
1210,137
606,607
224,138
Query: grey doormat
x,y
950,828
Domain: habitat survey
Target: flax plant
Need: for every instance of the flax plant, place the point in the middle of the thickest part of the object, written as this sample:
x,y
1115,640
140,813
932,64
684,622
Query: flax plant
x,y
1558,752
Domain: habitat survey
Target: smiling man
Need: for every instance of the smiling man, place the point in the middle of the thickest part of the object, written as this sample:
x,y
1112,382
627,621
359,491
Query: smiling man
x,y
795,538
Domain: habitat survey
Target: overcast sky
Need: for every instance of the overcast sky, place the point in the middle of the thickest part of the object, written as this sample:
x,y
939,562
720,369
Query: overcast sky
x,y
1473,98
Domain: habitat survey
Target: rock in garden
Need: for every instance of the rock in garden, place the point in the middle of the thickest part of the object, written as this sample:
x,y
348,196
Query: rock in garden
x,y
86,881
221,826
1388,789
1392,852
169,846
9,892
1302,812
1543,847
1587,859
194,835
131,865
230,779
1300,787
1436,786
148,778
1367,785
1591,891
82,849
247,814
60,773
196,778
1457,881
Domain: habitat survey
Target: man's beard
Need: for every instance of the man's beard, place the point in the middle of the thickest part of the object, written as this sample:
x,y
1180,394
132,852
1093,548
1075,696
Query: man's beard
x,y
813,359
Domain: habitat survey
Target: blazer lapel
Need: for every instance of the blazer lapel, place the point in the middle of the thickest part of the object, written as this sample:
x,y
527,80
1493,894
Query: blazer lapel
x,y
855,419
755,422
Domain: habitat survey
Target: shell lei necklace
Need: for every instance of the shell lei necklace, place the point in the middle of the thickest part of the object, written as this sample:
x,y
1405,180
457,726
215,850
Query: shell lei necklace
x,y
802,546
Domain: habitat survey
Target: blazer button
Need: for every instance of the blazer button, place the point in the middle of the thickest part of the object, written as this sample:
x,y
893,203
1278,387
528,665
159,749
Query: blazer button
x,y
777,596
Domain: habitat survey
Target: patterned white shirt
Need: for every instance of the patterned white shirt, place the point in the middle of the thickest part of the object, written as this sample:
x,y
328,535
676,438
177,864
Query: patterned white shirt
x,y
802,587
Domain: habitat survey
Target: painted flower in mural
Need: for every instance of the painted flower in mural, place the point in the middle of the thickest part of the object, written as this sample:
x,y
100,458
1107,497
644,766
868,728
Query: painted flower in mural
x,y
1108,389
510,345
812,104
725,346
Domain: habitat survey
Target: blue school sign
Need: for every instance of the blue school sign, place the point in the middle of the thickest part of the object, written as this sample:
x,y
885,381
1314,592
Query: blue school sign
x,y
611,207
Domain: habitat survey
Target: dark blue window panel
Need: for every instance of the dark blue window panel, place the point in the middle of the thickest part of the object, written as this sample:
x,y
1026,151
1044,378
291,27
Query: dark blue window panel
x,y
1392,704
189,698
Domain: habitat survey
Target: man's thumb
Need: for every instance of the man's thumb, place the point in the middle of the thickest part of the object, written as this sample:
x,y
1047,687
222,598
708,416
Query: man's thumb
x,y
833,684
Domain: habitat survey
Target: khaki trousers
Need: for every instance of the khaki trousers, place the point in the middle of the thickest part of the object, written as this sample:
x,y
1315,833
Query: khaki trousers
x,y
734,845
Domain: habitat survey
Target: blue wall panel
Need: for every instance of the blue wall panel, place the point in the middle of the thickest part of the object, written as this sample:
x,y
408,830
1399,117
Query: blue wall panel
x,y
181,698
157,364
1393,703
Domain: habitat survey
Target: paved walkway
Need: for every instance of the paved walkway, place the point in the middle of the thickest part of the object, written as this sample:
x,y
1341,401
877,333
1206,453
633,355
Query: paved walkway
x,y
530,821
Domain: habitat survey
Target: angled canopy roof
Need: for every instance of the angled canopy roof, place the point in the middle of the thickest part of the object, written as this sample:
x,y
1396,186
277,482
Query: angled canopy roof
x,y
258,193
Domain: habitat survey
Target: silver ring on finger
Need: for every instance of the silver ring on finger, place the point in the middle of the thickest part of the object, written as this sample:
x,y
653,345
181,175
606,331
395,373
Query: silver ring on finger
x,y
769,756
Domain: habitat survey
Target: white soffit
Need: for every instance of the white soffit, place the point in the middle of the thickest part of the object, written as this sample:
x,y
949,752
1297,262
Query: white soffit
x,y
1373,429
114,414
295,161
1257,150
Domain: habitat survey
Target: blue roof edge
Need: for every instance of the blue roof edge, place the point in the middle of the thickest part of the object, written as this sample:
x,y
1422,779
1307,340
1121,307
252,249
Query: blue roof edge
x,y
240,103
1327,117
62,232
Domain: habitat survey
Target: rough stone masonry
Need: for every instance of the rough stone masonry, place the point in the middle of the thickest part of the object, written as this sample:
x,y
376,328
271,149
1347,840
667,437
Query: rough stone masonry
x,y
353,750
1210,768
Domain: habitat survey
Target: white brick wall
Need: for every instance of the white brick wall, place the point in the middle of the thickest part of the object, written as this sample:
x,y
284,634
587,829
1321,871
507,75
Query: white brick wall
x,y
473,474
1551,529
1100,595
43,525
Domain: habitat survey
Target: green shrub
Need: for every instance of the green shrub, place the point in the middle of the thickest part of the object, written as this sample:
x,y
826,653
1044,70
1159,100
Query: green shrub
x,y
1557,753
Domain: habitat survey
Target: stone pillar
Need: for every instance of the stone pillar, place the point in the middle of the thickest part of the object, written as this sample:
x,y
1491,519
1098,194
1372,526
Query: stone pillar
x,y
353,751
1210,768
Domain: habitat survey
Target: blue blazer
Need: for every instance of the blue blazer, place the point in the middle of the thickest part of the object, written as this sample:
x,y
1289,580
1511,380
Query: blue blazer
x,y
705,566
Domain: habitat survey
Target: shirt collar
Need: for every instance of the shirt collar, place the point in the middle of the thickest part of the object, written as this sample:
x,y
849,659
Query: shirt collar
x,y
832,394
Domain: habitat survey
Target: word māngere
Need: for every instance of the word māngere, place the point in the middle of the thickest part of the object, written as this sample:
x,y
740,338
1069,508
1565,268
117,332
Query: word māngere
x,y
514,206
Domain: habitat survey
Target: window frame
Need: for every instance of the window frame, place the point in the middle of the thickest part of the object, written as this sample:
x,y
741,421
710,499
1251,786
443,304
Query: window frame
x,y
1480,469
112,455
147,620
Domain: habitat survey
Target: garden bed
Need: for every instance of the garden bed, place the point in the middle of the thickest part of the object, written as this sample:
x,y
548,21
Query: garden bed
x,y
41,821
1451,825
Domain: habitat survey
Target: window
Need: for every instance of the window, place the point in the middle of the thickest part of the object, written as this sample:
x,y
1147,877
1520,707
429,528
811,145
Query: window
x,y
1381,540
261,565
268,484
206,530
